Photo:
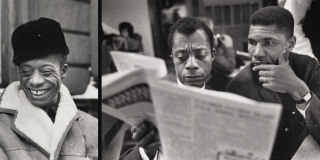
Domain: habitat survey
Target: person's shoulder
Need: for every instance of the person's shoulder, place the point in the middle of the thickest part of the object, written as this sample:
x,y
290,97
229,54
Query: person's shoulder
x,y
301,59
243,75
87,117
302,63
242,79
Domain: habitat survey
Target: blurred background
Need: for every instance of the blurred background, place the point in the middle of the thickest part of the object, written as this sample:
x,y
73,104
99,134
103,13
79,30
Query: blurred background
x,y
79,22
149,23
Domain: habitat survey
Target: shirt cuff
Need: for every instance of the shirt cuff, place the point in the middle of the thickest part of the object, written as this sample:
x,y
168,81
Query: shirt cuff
x,y
144,155
303,112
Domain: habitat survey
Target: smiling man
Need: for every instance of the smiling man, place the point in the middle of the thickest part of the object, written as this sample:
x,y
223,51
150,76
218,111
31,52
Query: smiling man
x,y
279,76
38,118
191,43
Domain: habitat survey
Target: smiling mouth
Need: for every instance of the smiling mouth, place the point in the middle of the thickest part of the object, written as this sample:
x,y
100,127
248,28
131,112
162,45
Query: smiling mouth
x,y
39,92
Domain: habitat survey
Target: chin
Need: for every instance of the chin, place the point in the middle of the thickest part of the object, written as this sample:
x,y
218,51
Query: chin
x,y
198,84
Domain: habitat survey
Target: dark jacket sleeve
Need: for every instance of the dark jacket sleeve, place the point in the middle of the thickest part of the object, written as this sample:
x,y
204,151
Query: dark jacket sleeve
x,y
312,120
224,61
130,149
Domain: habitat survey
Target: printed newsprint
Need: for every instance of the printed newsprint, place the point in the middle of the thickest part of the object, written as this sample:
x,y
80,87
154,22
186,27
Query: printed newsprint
x,y
126,60
193,124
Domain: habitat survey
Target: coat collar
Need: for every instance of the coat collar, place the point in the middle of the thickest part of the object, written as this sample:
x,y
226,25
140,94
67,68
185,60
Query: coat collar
x,y
33,123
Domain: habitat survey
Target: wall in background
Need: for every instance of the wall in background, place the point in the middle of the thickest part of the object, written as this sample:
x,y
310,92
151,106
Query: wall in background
x,y
133,11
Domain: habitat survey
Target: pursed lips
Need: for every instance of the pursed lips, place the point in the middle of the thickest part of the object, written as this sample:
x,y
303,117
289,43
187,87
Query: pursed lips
x,y
193,77
257,63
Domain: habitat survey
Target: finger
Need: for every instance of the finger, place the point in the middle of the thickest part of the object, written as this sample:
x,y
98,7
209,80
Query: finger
x,y
139,132
263,79
281,58
265,73
267,67
268,86
147,139
133,129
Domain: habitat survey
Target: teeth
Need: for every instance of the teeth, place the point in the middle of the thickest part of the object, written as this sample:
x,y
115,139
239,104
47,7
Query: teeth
x,y
38,93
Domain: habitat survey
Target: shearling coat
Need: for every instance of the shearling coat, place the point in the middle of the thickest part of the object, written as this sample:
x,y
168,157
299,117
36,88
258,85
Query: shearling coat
x,y
27,132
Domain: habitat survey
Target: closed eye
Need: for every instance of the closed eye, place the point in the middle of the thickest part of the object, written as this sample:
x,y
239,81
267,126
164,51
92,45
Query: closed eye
x,y
47,73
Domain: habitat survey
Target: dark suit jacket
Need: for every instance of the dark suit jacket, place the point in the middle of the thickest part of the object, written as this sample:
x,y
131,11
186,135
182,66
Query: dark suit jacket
x,y
130,149
293,128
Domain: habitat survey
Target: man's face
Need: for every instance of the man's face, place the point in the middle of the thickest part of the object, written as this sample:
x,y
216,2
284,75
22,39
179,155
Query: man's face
x,y
265,44
125,33
40,79
192,57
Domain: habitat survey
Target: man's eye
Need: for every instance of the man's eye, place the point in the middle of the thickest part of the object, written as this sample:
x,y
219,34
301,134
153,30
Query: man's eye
x,y
47,73
26,72
269,42
201,56
252,42
181,58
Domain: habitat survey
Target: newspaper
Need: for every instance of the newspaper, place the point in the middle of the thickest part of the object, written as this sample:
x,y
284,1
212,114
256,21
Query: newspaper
x,y
126,96
193,124
126,60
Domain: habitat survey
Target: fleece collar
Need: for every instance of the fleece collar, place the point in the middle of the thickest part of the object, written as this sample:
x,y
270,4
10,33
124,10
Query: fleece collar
x,y
34,123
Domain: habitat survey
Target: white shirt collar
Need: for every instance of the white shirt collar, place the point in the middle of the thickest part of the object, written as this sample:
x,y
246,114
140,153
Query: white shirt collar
x,y
184,86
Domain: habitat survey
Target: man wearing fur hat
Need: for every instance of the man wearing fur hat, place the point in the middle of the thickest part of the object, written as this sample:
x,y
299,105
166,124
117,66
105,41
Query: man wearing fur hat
x,y
38,118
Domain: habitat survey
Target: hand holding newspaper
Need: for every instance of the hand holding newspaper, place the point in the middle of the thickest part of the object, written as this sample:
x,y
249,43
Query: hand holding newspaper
x,y
193,124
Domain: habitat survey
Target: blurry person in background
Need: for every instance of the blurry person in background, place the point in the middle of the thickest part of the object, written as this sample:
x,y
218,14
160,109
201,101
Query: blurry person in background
x,y
306,15
191,45
107,64
225,60
38,117
128,41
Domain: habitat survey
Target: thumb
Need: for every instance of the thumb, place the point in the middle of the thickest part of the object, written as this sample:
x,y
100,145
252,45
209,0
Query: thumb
x,y
281,58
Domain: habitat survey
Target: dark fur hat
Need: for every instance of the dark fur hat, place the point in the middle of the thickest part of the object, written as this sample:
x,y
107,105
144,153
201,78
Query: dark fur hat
x,y
37,39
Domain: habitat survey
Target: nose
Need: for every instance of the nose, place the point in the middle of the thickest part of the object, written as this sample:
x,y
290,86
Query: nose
x,y
36,79
258,51
192,63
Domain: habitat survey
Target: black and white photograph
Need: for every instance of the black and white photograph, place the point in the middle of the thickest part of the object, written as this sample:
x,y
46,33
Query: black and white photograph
x,y
210,80
49,80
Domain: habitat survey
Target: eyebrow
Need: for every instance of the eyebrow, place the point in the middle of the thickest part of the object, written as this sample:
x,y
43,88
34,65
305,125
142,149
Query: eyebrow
x,y
265,38
268,38
196,49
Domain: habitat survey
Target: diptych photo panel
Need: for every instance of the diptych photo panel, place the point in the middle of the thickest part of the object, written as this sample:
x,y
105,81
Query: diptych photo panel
x,y
159,80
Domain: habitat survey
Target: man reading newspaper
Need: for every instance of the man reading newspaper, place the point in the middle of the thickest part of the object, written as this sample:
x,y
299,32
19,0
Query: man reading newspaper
x,y
277,75
191,43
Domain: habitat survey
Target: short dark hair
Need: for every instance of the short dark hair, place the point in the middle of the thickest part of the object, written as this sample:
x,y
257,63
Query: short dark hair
x,y
128,26
187,26
273,15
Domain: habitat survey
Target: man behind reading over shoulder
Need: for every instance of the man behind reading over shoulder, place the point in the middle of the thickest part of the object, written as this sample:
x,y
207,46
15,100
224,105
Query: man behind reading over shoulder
x,y
38,118
277,75
191,43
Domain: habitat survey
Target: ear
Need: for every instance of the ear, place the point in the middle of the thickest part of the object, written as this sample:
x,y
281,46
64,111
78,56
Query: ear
x,y
291,43
64,70
213,54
